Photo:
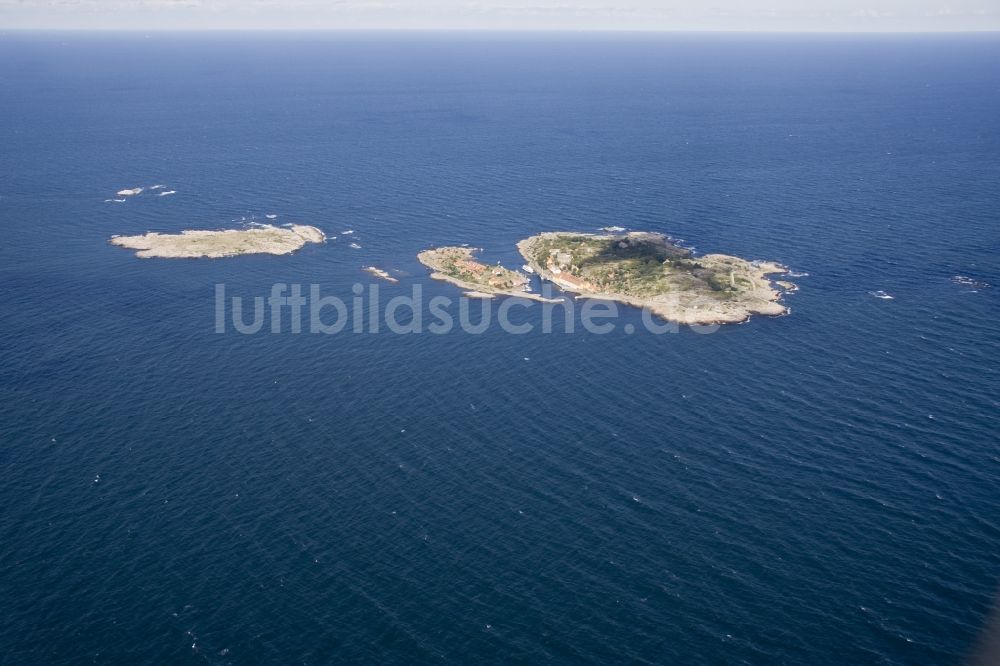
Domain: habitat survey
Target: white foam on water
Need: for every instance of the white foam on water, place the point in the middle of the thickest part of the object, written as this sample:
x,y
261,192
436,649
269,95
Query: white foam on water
x,y
966,281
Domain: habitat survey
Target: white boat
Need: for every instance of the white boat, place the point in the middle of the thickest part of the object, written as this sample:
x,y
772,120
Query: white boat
x,y
527,269
881,294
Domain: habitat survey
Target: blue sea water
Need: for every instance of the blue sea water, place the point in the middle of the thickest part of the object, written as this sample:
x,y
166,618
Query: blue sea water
x,y
820,488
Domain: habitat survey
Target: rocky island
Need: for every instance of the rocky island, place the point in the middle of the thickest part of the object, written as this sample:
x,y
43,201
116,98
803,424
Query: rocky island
x,y
458,266
647,270
380,273
260,239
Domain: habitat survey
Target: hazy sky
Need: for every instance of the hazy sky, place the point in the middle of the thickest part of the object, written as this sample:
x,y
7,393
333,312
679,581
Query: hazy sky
x,y
861,15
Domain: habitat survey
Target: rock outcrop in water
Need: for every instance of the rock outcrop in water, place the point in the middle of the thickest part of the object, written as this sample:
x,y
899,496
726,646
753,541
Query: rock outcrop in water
x,y
262,239
458,266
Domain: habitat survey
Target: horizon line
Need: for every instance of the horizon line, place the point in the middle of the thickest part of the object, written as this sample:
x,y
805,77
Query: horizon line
x,y
279,29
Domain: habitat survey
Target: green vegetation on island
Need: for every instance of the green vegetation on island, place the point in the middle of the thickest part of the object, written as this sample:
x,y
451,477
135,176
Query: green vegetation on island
x,y
648,270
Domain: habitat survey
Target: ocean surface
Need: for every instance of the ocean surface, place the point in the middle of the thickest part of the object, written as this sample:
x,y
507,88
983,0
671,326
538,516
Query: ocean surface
x,y
819,488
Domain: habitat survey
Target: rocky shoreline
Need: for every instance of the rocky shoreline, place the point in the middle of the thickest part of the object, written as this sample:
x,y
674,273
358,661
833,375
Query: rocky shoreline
x,y
261,239
457,266
708,289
